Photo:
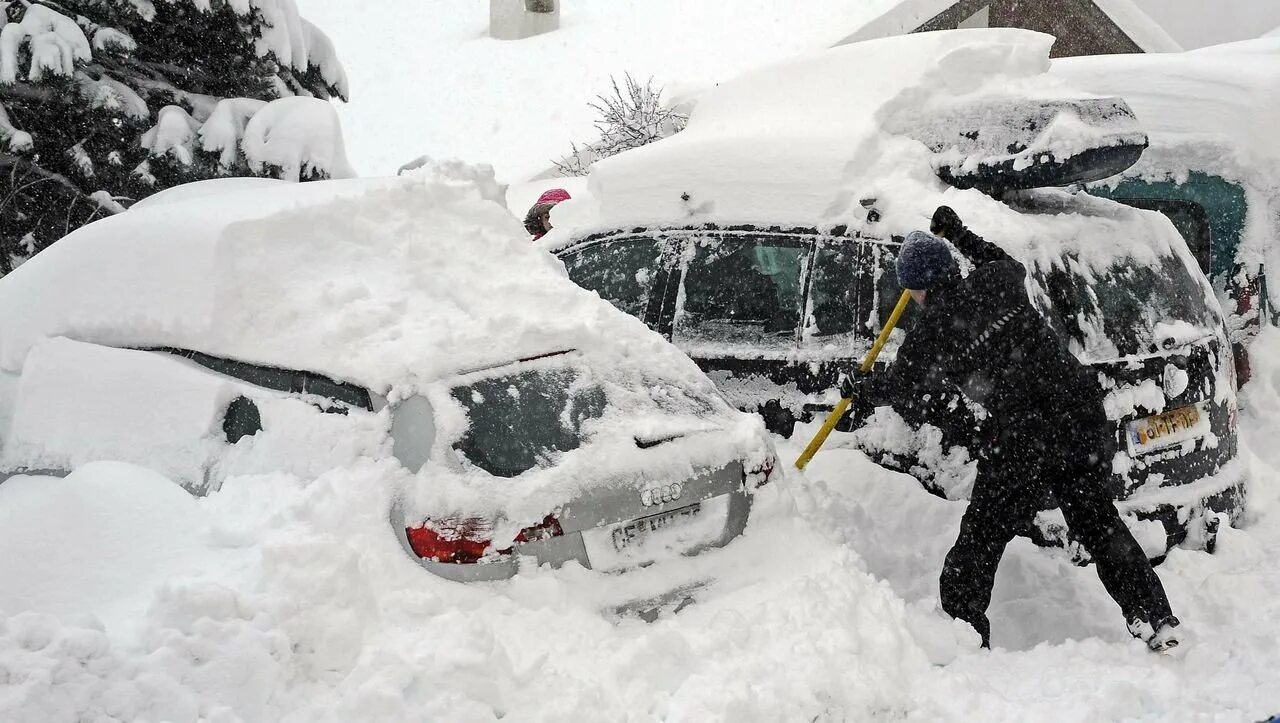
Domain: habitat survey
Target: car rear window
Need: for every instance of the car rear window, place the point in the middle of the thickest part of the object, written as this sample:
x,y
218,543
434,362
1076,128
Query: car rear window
x,y
1118,312
524,420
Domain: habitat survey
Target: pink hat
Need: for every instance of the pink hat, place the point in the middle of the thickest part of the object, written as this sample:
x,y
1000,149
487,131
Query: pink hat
x,y
555,195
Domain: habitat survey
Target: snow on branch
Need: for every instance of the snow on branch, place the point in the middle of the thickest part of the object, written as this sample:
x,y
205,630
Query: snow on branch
x,y
299,136
110,94
111,39
174,133
54,40
222,132
627,119
18,141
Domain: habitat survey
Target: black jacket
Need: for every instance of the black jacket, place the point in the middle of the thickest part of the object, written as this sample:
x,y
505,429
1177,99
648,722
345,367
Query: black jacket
x,y
980,334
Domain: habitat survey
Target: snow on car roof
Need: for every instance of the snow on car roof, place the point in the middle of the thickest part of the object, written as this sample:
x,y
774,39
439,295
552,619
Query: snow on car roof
x,y
379,282
1210,96
801,143
784,144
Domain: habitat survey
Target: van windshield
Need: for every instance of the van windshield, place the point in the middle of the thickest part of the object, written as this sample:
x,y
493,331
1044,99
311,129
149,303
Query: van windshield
x,y
521,421
1119,312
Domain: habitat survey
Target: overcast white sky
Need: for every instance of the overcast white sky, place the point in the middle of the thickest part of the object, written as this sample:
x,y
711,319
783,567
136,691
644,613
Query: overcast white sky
x,y
1197,23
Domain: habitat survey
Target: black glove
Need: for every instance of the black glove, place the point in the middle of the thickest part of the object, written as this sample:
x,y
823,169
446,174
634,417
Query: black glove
x,y
946,223
854,383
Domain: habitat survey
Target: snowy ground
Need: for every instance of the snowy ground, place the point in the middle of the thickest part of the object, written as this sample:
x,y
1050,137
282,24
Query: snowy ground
x,y
288,599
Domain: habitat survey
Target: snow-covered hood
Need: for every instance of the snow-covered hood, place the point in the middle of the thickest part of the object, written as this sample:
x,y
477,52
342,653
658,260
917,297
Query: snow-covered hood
x,y
385,282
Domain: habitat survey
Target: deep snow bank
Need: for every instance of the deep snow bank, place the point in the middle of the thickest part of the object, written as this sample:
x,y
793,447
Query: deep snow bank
x,y
295,603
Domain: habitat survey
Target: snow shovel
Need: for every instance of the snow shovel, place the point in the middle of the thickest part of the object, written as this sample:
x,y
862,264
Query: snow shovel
x,y
843,405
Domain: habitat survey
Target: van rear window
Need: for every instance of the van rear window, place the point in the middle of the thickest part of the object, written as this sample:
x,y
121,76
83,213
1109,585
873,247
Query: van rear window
x,y
1117,313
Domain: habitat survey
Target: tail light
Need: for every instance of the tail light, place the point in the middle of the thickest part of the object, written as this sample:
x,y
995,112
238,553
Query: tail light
x,y
451,539
467,540
759,475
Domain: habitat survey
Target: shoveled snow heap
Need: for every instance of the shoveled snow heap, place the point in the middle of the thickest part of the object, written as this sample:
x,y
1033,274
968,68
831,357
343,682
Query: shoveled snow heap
x,y
284,598
377,282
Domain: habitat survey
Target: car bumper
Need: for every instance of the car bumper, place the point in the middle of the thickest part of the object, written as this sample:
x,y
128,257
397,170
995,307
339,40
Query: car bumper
x,y
577,546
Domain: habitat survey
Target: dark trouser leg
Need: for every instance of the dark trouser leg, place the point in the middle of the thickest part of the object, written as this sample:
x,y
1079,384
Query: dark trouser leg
x,y
1080,481
1002,505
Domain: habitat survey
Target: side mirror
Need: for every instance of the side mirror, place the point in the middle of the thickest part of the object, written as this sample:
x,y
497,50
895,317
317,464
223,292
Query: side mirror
x,y
413,432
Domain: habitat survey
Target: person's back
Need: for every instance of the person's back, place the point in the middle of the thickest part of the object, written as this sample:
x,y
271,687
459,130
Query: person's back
x,y
1046,431
994,345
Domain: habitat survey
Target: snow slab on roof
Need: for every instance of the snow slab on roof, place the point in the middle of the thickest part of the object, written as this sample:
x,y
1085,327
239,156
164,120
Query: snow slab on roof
x,y
378,282
1228,95
907,15
430,80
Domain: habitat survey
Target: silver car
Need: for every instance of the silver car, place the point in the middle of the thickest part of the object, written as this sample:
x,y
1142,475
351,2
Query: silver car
x,y
606,436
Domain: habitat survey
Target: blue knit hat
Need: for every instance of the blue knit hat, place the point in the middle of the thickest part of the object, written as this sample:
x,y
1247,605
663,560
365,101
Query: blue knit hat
x,y
923,261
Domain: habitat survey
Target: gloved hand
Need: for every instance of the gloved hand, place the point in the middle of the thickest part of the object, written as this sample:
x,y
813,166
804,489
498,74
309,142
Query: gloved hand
x,y
946,223
853,384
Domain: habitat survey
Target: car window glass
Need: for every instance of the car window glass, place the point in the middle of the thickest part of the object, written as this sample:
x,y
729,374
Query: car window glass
x,y
742,290
833,291
521,421
1116,313
621,272
886,290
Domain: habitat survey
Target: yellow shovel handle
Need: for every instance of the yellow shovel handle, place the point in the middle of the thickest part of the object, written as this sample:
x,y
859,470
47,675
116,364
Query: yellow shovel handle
x,y
843,405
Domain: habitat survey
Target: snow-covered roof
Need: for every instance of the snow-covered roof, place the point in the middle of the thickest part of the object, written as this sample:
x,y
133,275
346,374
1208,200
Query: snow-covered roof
x,y
1228,95
802,141
1139,26
907,15
380,282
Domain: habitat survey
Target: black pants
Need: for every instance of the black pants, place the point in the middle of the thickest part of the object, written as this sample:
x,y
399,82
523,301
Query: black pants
x,y
1069,454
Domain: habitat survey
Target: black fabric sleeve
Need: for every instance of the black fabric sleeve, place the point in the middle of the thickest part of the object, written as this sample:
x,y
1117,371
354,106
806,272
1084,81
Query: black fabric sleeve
x,y
977,249
918,366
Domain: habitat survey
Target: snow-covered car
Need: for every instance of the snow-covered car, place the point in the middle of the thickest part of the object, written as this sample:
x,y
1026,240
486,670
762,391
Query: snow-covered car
x,y
305,328
762,241
1212,165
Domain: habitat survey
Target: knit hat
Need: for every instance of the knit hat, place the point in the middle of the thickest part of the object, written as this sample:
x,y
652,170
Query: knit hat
x,y
553,196
544,204
924,261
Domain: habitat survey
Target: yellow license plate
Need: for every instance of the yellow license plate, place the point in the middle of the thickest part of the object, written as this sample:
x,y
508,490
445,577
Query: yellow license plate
x,y
1167,429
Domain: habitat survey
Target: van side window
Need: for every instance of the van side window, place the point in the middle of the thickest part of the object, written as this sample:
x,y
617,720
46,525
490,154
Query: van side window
x,y
833,290
622,272
743,290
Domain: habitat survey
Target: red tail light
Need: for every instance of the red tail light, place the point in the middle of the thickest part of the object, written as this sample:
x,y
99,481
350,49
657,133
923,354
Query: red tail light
x,y
451,539
469,539
548,528
760,474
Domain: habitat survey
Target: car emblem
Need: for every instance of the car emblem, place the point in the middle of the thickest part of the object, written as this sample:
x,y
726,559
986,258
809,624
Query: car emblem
x,y
661,495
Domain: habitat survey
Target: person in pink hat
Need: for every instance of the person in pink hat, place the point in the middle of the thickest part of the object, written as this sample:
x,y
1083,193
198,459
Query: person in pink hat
x,y
538,220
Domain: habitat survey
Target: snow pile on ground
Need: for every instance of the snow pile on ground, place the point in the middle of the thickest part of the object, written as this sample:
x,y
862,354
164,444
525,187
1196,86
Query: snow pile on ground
x,y
431,81
289,598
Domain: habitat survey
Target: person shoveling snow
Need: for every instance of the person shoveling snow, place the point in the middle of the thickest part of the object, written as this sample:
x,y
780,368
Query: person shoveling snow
x,y
1047,427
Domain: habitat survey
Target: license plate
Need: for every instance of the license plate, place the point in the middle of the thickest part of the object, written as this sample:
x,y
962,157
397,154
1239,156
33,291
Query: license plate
x,y
635,532
1168,429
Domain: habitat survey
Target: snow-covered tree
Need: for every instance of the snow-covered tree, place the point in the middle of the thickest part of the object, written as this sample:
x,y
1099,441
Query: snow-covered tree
x,y
103,102
631,117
